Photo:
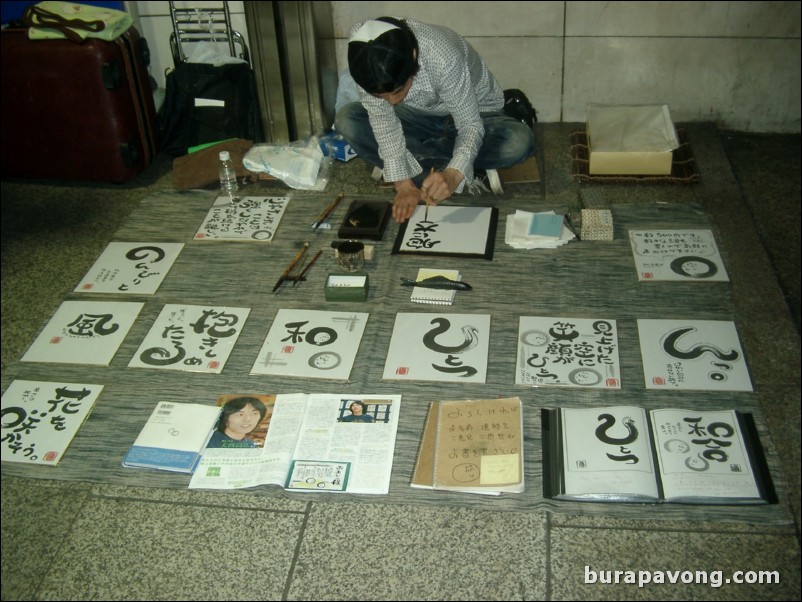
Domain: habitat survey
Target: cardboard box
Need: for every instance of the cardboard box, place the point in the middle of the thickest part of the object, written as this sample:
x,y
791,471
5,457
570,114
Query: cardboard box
x,y
630,140
338,147
596,224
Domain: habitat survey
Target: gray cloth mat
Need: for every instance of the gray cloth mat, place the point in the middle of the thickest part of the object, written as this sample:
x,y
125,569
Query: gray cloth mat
x,y
594,279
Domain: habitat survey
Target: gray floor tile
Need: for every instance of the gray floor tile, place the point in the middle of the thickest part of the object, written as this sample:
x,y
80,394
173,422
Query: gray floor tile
x,y
584,515
31,540
377,552
137,550
584,561
229,499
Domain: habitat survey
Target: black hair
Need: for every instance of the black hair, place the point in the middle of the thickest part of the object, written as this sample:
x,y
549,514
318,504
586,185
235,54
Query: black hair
x,y
232,406
384,64
359,403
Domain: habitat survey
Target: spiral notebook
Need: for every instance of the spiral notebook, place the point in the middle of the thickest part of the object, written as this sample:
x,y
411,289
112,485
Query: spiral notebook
x,y
434,296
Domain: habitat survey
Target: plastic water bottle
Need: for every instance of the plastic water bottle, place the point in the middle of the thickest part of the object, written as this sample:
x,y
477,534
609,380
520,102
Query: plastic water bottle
x,y
228,175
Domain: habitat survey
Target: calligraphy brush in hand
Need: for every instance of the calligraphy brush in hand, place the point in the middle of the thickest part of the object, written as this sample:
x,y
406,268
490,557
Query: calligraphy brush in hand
x,y
427,200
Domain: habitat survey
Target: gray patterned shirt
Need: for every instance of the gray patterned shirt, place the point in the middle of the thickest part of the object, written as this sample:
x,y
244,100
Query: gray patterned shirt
x,y
452,80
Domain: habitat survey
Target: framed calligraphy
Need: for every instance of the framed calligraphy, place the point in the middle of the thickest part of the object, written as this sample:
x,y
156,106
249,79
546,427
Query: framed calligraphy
x,y
449,230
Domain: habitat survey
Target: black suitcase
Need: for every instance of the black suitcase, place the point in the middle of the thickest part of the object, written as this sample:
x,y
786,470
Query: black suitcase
x,y
76,111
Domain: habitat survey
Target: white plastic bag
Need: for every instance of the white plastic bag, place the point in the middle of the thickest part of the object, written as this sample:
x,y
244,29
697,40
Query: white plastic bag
x,y
300,164
213,53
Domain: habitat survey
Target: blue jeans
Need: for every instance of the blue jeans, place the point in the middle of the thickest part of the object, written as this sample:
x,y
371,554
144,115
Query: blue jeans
x,y
430,138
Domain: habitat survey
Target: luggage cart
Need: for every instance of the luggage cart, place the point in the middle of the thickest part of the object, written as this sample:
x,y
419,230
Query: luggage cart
x,y
204,24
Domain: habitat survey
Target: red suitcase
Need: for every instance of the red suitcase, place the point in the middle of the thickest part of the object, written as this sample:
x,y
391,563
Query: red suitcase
x,y
76,111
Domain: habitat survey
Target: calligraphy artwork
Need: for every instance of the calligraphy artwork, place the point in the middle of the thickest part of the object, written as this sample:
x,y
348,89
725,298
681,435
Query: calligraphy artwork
x,y
438,347
84,332
677,255
194,338
130,268
311,344
40,419
692,354
449,230
701,442
603,441
568,352
251,218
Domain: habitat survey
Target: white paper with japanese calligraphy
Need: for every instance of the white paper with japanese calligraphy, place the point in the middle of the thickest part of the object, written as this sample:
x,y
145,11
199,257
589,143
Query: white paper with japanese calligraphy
x,y
705,455
41,418
607,454
194,338
84,332
692,354
438,347
311,344
449,230
313,444
130,268
249,218
568,352
690,255
624,454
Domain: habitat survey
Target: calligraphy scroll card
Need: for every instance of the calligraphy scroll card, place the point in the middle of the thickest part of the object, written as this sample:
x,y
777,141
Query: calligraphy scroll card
x,y
130,268
438,347
311,344
692,354
250,218
84,332
677,255
30,437
194,338
568,352
449,230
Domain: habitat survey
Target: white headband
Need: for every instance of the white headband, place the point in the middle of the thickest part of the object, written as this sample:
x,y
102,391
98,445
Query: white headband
x,y
371,30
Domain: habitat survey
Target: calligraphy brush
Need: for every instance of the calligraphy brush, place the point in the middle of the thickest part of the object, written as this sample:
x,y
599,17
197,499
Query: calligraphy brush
x,y
306,269
426,211
290,267
328,211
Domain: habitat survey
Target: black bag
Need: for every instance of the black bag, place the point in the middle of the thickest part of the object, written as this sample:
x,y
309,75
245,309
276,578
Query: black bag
x,y
517,106
207,103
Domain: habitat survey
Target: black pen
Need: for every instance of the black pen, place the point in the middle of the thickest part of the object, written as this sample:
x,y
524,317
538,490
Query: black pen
x,y
290,267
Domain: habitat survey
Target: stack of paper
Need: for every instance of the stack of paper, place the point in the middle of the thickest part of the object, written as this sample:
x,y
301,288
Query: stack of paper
x,y
546,230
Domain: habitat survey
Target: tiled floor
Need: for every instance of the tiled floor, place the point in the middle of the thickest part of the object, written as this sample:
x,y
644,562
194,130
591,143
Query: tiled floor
x,y
80,541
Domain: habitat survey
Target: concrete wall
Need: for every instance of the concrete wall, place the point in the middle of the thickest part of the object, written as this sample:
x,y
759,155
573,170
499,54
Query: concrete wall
x,y
736,64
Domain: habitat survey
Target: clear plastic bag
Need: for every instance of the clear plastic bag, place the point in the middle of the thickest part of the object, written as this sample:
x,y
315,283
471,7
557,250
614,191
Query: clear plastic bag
x,y
301,165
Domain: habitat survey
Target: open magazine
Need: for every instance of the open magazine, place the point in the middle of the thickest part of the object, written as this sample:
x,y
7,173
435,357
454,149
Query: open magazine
x,y
316,442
